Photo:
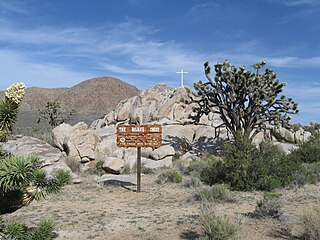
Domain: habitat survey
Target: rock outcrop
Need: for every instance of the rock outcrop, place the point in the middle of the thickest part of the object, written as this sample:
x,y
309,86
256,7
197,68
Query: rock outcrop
x,y
51,159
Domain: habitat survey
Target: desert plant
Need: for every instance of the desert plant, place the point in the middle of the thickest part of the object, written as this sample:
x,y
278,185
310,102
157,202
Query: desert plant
x,y
16,230
310,221
43,231
219,228
245,101
172,176
245,167
269,207
192,182
9,109
99,165
214,194
53,115
22,181
73,164
308,152
146,170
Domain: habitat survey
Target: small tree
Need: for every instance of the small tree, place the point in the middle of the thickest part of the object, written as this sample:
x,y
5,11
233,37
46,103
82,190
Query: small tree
x,y
53,114
246,101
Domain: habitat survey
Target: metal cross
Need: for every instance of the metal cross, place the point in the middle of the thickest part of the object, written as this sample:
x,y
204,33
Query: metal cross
x,y
182,72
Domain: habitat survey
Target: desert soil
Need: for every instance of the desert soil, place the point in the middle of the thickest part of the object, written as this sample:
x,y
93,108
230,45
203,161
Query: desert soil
x,y
160,212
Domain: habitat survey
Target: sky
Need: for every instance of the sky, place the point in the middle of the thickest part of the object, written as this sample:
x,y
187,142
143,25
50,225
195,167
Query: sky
x,y
145,42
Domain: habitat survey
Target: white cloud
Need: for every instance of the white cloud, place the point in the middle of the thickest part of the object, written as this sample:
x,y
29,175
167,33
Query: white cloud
x,y
14,6
17,68
297,2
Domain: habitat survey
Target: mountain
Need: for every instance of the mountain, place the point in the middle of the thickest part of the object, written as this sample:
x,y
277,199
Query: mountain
x,y
91,99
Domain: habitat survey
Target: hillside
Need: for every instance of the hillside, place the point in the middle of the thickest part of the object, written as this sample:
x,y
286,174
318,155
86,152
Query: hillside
x,y
91,99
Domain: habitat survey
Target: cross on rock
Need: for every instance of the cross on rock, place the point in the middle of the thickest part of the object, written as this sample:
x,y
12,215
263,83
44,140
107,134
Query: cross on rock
x,y
182,72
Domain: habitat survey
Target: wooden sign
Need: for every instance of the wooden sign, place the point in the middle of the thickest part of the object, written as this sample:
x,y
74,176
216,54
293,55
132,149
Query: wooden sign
x,y
139,136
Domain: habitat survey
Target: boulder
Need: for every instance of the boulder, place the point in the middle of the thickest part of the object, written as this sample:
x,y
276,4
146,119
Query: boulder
x,y
26,146
113,165
163,163
162,152
84,140
286,148
110,179
60,135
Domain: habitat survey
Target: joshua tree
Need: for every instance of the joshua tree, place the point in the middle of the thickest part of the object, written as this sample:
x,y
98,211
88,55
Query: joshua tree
x,y
9,109
246,101
53,114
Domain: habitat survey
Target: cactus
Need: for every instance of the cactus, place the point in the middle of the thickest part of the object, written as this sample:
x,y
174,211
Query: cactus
x,y
246,101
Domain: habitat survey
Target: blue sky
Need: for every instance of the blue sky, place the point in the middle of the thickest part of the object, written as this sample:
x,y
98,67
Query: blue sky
x,y
144,42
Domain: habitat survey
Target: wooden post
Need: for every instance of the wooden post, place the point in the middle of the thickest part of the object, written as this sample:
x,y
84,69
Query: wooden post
x,y
138,169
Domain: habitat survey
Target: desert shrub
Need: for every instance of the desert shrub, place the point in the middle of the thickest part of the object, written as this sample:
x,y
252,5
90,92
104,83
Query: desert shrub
x,y
192,182
245,167
16,230
197,167
215,193
22,181
310,221
172,176
73,164
146,170
310,173
99,165
269,207
219,228
308,152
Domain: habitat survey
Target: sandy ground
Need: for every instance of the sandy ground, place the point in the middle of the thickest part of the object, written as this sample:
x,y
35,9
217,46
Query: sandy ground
x,y
160,212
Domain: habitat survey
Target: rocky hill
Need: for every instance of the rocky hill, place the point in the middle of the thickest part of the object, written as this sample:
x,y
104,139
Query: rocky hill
x,y
91,99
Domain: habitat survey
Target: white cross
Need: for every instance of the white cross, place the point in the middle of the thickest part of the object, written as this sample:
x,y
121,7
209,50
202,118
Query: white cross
x,y
182,72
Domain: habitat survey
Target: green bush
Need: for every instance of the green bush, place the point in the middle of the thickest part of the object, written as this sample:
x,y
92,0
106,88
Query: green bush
x,y
219,228
269,207
216,193
310,173
310,221
170,176
16,230
99,165
146,170
245,167
308,152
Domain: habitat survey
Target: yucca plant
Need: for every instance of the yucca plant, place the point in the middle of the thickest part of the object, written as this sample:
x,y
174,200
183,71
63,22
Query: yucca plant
x,y
8,114
9,109
17,231
44,231
22,181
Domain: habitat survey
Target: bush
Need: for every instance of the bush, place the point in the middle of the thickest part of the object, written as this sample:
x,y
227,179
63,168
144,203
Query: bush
x,y
170,176
73,164
99,165
16,230
245,167
310,173
146,170
308,152
269,207
219,228
22,181
192,182
310,221
215,193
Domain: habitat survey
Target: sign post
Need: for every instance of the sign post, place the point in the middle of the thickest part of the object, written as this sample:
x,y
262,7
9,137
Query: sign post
x,y
139,136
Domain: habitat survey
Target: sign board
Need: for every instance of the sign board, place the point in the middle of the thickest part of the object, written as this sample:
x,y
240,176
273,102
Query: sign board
x,y
139,136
